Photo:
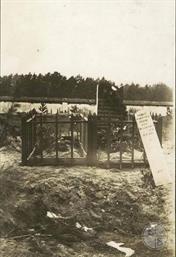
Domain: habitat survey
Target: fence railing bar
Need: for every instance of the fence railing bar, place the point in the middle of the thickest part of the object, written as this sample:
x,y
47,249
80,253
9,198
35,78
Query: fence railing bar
x,y
61,122
31,154
87,133
31,118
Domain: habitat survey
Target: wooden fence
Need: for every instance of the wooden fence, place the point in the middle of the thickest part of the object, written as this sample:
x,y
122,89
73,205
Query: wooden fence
x,y
55,140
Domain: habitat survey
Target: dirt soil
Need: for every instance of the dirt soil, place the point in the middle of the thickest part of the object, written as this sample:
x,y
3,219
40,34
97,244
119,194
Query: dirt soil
x,y
112,205
75,211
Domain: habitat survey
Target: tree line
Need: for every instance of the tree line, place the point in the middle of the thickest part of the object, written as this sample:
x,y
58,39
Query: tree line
x,y
57,85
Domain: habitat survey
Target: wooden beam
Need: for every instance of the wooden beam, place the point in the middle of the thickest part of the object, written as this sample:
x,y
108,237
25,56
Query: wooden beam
x,y
47,100
147,103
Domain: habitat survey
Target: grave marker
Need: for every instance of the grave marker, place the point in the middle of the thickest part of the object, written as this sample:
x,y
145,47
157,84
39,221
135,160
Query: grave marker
x,y
153,148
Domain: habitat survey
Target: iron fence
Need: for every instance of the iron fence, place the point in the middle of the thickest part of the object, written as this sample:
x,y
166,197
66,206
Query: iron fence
x,y
55,139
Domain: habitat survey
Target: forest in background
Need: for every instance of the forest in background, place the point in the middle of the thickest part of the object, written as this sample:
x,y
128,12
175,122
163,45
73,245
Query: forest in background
x,y
57,85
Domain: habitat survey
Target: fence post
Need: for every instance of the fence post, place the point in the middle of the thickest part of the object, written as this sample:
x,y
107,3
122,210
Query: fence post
x,y
23,137
56,128
85,136
159,126
30,137
72,137
121,141
133,135
108,136
92,140
41,136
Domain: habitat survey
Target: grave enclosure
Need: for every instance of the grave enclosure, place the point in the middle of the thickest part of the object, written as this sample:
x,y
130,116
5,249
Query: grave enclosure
x,y
73,140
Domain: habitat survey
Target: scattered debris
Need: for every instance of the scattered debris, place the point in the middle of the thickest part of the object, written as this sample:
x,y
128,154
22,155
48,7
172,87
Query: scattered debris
x,y
78,225
128,251
51,215
86,229
74,211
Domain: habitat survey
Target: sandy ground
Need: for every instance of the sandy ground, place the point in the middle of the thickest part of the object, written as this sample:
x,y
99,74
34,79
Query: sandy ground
x,y
64,212
115,206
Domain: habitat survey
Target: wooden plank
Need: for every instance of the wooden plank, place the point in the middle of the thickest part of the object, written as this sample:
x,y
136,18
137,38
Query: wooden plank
x,y
54,161
118,166
47,100
147,103
76,161
59,122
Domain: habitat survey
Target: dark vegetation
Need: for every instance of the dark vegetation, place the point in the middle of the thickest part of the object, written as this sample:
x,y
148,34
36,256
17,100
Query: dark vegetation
x,y
157,92
57,85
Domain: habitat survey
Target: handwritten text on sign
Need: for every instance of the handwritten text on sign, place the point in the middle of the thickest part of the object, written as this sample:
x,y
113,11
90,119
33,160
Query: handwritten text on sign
x,y
152,147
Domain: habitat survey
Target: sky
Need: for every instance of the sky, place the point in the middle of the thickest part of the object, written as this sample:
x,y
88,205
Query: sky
x,y
124,41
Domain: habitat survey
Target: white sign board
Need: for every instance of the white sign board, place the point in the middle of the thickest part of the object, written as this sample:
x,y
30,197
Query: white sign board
x,y
152,147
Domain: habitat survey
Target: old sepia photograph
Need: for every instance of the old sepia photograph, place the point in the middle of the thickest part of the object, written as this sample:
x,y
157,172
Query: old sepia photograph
x,y
87,128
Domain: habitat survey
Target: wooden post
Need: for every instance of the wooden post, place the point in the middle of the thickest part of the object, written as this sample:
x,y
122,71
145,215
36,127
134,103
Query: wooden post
x,y
108,141
60,130
72,139
92,140
35,132
85,136
30,137
121,138
32,134
41,136
56,135
133,134
97,99
89,139
144,158
23,137
159,129
79,127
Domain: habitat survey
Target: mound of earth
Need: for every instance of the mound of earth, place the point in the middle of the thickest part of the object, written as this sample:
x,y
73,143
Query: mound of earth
x,y
64,212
